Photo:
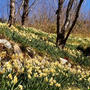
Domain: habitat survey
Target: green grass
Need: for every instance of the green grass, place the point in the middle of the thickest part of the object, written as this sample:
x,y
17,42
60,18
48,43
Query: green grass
x,y
39,83
43,45
40,45
37,44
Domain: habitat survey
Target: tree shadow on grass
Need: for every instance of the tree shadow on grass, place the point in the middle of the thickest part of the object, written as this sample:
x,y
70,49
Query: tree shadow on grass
x,y
41,46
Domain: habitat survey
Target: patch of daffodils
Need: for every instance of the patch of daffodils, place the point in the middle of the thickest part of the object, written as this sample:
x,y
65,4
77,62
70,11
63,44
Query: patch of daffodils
x,y
40,67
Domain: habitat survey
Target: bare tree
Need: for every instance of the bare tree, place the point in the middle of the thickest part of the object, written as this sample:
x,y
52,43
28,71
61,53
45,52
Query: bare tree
x,y
12,13
27,9
19,7
59,12
61,38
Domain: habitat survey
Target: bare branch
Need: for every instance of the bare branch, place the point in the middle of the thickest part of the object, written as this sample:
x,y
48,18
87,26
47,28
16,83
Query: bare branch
x,y
21,6
31,6
75,19
66,24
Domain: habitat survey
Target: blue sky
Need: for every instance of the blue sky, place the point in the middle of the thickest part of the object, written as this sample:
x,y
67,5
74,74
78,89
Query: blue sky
x,y
4,9
86,5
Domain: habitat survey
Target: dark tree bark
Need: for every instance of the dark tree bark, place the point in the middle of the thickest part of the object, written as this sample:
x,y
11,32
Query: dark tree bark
x,y
75,20
61,39
59,12
25,11
12,13
66,23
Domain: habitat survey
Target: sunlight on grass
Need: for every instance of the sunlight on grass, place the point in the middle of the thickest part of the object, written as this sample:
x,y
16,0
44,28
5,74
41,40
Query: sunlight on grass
x,y
45,72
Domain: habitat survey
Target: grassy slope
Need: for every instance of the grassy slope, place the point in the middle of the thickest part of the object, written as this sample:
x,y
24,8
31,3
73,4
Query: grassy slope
x,y
45,43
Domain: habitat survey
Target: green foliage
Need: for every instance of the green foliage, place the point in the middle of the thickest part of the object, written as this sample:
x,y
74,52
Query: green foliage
x,y
38,83
40,45
45,43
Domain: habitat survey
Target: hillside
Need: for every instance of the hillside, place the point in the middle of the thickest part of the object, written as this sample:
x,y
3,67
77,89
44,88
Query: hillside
x,y
42,68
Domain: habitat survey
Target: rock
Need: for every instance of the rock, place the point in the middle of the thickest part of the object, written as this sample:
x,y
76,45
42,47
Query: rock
x,y
17,49
63,61
6,43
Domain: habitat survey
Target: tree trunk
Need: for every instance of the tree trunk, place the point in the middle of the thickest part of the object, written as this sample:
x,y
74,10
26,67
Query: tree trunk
x,y
74,22
25,11
67,20
12,13
61,39
66,23
59,34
